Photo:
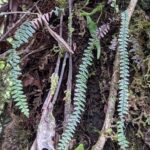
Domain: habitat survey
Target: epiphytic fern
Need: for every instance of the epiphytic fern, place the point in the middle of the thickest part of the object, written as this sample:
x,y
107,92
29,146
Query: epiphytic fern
x,y
114,43
22,36
79,96
39,22
136,52
103,30
124,80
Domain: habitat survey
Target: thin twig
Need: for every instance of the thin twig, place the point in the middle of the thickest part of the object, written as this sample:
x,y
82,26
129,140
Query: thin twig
x,y
57,69
60,79
113,92
17,12
64,61
67,110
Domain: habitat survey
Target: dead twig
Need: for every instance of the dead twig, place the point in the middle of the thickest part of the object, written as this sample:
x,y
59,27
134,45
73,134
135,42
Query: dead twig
x,y
18,12
67,110
60,79
58,66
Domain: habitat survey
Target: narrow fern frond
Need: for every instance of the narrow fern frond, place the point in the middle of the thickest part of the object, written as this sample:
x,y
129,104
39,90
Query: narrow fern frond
x,y
79,95
39,22
114,43
124,80
22,36
103,30
16,86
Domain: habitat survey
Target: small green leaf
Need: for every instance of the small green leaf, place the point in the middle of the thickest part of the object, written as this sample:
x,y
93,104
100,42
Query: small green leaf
x,y
91,25
80,147
92,28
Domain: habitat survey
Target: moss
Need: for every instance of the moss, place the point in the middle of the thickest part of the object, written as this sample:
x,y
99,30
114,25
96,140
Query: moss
x,y
145,4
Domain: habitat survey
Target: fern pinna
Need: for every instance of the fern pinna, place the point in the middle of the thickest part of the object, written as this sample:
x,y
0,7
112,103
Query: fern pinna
x,y
124,80
79,95
22,35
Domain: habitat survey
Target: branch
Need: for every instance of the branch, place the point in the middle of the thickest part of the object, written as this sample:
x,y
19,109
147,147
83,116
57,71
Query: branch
x,y
131,8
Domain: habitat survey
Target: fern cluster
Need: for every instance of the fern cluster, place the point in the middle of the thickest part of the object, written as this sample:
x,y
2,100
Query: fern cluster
x,y
79,95
124,80
21,36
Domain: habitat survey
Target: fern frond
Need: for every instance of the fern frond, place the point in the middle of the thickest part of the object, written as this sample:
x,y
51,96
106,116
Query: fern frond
x,y
22,36
16,84
103,30
114,43
124,80
39,22
79,96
